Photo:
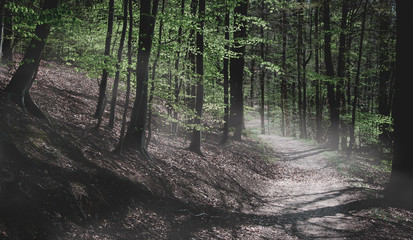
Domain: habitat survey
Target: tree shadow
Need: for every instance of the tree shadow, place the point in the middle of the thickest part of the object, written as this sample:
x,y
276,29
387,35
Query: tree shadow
x,y
296,155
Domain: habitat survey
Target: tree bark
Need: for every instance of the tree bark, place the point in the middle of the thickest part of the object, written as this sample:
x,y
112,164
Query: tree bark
x,y
331,92
225,130
117,75
237,70
7,45
384,68
195,145
22,80
154,67
318,117
357,83
341,72
128,80
104,81
136,134
299,68
400,188
284,98
262,82
177,86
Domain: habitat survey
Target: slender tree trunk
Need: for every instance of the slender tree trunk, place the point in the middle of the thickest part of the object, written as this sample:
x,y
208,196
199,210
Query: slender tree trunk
x,y
318,117
225,130
117,75
252,81
7,45
192,66
357,82
2,19
331,93
237,70
154,67
195,145
128,80
104,81
384,68
341,72
177,85
262,84
135,135
299,68
22,80
284,99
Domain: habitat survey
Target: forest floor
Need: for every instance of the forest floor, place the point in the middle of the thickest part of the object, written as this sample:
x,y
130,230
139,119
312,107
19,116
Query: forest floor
x,y
60,180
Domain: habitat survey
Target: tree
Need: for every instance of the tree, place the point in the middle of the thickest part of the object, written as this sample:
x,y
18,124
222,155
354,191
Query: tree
x,y
7,33
117,75
237,69
136,134
23,78
195,145
400,188
331,92
225,69
357,82
128,80
104,81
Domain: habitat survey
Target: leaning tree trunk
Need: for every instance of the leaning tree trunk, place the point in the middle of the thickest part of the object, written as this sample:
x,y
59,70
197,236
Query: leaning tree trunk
x,y
104,81
117,75
23,78
128,80
135,135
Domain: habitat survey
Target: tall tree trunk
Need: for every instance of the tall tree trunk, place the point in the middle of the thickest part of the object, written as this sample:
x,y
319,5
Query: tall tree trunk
x,y
341,72
384,67
237,70
177,85
22,80
135,135
192,66
154,67
225,130
318,117
284,93
252,81
128,80
299,67
2,19
357,82
331,92
104,81
262,82
117,75
400,188
195,145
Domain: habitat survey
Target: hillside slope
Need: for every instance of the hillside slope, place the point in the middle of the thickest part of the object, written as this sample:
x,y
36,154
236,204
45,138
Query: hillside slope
x,y
60,180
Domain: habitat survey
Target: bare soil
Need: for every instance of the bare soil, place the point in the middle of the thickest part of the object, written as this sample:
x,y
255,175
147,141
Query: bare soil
x,y
61,180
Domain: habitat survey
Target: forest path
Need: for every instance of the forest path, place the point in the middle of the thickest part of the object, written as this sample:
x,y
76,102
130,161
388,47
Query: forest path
x,y
312,200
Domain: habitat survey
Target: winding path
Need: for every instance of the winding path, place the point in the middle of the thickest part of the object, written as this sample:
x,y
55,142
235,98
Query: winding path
x,y
313,199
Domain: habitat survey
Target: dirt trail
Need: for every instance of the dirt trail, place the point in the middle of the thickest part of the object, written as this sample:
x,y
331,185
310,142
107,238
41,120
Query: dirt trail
x,y
312,200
